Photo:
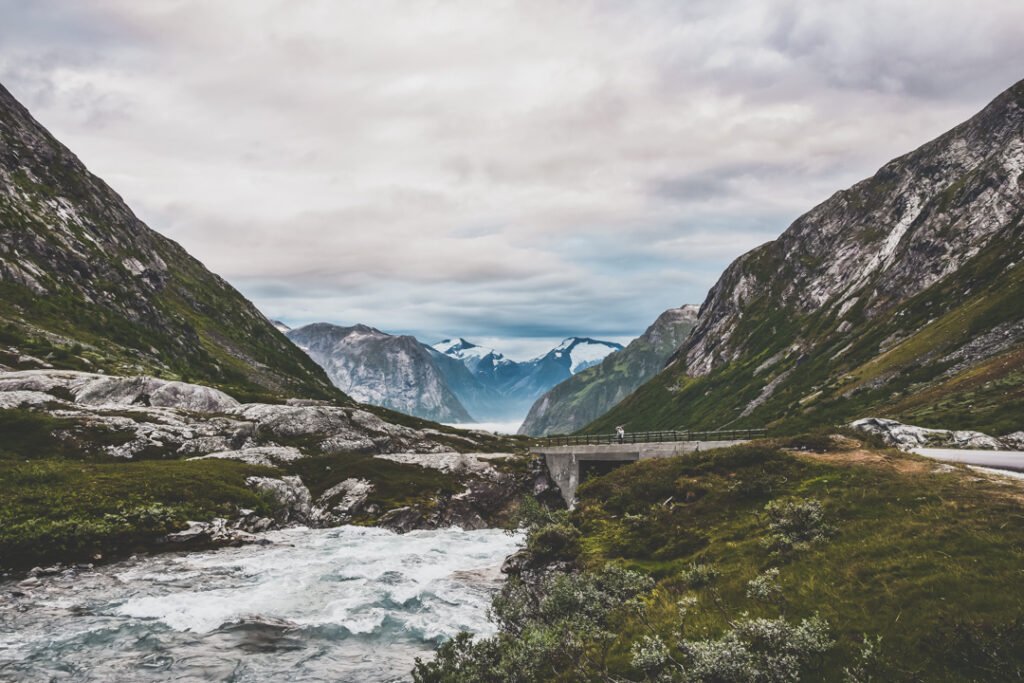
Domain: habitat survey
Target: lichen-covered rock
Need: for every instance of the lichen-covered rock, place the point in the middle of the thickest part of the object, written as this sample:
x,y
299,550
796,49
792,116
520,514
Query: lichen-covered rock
x,y
269,456
24,399
909,436
156,392
290,495
1014,440
340,503
449,463
215,532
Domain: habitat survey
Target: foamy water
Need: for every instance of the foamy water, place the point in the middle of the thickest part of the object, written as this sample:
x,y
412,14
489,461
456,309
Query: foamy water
x,y
345,604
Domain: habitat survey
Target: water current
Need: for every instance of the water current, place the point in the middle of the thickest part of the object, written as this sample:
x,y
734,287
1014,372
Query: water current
x,y
343,604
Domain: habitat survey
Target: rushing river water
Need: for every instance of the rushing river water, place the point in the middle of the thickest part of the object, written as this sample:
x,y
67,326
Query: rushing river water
x,y
344,604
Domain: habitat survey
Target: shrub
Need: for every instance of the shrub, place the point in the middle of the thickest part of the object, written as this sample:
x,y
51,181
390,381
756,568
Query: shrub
x,y
795,525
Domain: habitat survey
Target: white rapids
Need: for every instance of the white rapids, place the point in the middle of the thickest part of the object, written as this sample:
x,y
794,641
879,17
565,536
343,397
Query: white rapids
x,y
344,604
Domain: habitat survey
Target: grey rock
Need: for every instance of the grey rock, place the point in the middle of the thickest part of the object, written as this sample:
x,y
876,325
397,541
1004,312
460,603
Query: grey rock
x,y
1014,440
215,532
340,503
270,456
909,436
154,392
401,520
289,494
449,463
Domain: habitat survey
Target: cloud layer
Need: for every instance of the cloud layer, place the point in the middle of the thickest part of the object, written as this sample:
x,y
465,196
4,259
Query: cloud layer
x,y
520,171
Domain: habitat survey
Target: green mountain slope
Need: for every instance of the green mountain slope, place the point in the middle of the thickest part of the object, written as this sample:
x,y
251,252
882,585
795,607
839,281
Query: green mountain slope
x,y
900,297
84,284
589,394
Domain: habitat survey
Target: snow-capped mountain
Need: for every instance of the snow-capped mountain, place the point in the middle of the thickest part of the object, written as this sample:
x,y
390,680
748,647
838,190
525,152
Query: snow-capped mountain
x,y
478,359
454,380
584,352
281,327
511,387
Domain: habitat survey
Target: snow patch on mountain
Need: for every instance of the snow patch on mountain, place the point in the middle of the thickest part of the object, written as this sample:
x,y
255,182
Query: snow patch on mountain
x,y
585,352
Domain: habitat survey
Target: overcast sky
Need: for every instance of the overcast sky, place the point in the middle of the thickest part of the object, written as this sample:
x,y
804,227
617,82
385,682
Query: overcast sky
x,y
511,172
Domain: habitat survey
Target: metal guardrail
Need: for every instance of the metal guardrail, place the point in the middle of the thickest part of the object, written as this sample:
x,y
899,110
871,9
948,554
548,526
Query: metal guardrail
x,y
654,437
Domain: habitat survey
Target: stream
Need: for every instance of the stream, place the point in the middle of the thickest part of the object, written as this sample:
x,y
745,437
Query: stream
x,y
342,604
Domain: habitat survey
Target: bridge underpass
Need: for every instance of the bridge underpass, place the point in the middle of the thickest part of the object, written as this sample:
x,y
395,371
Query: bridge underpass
x,y
574,463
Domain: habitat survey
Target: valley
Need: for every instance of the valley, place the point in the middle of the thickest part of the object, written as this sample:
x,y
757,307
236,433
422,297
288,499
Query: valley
x,y
194,490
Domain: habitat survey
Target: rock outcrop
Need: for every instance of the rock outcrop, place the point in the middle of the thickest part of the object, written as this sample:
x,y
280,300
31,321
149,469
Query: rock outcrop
x,y
908,436
290,495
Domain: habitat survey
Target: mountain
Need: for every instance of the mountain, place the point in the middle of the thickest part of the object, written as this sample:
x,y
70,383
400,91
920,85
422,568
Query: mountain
x,y
587,395
518,384
480,397
900,297
84,284
392,371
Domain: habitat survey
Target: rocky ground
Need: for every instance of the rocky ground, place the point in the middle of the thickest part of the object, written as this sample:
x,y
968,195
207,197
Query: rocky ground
x,y
113,419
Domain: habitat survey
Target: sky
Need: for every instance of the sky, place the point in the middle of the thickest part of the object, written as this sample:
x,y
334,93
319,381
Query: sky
x,y
509,172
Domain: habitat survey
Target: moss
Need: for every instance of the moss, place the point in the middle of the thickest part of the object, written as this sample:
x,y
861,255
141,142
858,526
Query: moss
x,y
61,510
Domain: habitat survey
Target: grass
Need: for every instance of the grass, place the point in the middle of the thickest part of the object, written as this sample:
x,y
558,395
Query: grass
x,y
394,484
61,510
929,560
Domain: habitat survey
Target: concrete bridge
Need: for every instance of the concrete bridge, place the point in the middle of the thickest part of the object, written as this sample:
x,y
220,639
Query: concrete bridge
x,y
573,463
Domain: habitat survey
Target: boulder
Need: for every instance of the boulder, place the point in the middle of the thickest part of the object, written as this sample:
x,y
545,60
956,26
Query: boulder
x,y
215,532
1014,440
401,519
340,503
289,494
908,436
152,391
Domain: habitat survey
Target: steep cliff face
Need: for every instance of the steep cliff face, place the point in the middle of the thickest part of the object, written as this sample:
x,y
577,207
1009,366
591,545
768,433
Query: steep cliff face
x,y
900,296
584,397
86,285
393,371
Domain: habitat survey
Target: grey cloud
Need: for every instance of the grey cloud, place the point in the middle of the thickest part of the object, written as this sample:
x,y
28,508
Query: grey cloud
x,y
529,169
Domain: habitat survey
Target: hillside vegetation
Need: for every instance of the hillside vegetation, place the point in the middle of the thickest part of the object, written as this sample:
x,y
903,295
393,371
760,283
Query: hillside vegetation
x,y
762,563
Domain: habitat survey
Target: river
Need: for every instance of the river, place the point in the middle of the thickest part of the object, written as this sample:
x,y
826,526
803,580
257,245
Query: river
x,y
343,604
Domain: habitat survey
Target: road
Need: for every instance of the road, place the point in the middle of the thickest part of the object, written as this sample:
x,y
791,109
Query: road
x,y
1002,460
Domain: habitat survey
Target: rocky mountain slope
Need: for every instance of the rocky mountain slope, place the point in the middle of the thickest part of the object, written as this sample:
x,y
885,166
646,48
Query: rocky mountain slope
x,y
85,284
394,371
587,395
899,297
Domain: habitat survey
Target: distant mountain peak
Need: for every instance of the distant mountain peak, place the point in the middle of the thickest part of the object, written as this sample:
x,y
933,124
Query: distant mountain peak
x,y
583,352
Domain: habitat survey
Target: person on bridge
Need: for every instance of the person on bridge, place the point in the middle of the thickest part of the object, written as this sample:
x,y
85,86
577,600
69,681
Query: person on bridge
x,y
620,432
